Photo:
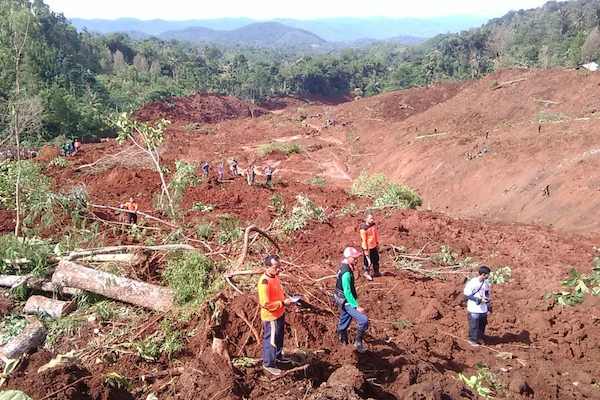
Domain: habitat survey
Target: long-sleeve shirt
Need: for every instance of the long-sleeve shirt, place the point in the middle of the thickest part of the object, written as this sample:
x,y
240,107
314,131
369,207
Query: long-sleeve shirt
x,y
369,236
345,283
270,297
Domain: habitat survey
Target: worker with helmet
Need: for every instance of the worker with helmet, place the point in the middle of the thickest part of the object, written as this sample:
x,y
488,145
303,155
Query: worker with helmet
x,y
347,301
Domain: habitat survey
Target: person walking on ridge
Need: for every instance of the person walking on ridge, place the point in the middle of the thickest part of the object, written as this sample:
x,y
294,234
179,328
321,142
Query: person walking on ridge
x,y
251,174
272,301
347,301
233,168
478,294
220,172
269,174
132,207
369,237
205,168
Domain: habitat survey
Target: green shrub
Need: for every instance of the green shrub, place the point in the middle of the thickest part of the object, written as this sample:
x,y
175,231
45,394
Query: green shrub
x,y
172,341
59,162
229,229
278,204
11,326
191,276
304,211
12,249
500,275
317,181
205,231
183,178
383,193
199,206
283,148
579,286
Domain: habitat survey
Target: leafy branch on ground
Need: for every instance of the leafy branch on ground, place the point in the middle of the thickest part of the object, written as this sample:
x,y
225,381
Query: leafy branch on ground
x,y
579,285
276,147
24,255
166,341
500,275
230,230
11,326
446,262
201,207
484,383
303,212
192,276
59,162
384,193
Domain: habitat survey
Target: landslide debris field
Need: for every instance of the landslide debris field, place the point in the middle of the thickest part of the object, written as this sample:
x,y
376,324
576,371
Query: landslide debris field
x,y
480,154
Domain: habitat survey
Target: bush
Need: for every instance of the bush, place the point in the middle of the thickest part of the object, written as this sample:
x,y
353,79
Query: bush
x,y
384,193
317,181
283,148
205,231
191,276
35,251
184,178
229,229
59,162
303,212
199,206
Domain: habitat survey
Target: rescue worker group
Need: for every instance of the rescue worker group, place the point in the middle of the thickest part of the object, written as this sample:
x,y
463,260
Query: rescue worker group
x,y
273,300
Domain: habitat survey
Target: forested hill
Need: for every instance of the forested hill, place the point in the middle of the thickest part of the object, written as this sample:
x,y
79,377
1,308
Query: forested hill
x,y
266,34
72,82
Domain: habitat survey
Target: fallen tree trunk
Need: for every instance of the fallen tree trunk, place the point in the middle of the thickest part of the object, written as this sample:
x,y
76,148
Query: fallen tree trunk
x,y
44,285
127,249
44,306
113,286
121,258
32,337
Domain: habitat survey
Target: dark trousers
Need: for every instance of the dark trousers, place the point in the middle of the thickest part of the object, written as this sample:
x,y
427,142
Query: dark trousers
x,y
132,218
273,340
477,324
374,256
347,313
269,180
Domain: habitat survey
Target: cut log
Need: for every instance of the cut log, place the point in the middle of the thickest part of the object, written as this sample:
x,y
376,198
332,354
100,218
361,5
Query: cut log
x,y
115,287
123,258
13,281
127,249
44,306
31,338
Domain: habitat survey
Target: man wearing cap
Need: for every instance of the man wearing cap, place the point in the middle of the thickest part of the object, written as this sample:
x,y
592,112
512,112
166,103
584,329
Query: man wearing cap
x,y
478,294
272,301
369,239
347,301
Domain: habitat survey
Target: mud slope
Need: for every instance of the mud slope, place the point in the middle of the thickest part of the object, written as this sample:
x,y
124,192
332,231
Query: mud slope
x,y
490,152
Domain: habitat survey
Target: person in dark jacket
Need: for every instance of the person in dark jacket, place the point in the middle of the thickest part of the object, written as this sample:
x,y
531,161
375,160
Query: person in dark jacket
x,y
347,300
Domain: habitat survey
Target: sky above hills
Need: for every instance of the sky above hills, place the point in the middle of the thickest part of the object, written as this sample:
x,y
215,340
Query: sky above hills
x,y
268,9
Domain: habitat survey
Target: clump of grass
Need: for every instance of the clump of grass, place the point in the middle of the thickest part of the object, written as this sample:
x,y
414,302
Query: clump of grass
x,y
36,251
199,206
229,229
11,326
383,193
277,204
205,231
317,181
304,211
63,327
549,116
167,341
59,162
275,147
402,324
350,209
191,276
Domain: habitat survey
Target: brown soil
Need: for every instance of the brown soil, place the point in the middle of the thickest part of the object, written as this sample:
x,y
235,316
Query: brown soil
x,y
550,352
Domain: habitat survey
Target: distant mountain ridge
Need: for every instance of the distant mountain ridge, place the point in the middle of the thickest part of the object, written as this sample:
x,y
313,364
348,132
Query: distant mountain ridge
x,y
329,29
262,34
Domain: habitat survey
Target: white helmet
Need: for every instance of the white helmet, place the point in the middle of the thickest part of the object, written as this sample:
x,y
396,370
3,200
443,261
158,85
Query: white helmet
x,y
351,252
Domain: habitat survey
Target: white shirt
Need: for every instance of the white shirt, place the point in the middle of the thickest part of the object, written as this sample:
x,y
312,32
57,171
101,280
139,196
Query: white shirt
x,y
480,290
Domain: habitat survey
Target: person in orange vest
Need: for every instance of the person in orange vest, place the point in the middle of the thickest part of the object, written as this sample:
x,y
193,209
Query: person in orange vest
x,y
369,237
272,301
132,207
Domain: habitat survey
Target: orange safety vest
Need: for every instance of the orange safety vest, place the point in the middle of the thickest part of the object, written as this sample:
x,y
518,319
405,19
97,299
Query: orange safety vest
x,y
369,236
270,298
131,206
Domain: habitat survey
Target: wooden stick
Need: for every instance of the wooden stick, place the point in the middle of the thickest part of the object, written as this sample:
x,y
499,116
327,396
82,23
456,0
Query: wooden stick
x,y
148,216
291,371
239,314
65,388
128,249
431,135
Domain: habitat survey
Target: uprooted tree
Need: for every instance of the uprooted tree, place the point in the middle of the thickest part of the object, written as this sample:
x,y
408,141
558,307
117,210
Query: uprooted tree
x,y
148,137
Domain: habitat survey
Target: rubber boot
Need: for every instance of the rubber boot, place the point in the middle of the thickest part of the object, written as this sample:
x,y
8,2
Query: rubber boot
x,y
343,337
359,343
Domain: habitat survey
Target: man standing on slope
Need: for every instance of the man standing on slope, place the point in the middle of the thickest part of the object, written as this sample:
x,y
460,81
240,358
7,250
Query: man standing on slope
x,y
347,300
369,237
272,301
478,294
132,207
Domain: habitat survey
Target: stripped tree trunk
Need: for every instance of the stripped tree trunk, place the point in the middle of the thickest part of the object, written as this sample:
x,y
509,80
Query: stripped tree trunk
x,y
12,281
32,337
44,306
116,287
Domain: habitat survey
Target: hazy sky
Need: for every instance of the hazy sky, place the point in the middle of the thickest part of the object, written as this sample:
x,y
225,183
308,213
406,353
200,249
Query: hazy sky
x,y
266,9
